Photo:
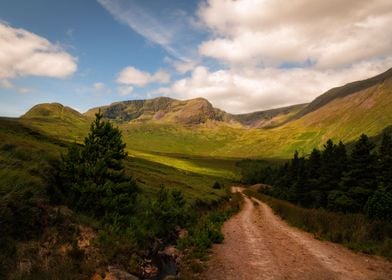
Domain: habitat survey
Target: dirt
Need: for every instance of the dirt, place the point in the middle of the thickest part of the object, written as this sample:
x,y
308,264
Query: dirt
x,y
260,245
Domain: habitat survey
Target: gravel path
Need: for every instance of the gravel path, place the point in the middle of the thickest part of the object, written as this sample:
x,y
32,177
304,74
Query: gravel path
x,y
259,245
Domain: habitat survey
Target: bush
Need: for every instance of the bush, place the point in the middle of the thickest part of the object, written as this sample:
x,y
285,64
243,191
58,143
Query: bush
x,y
379,205
216,186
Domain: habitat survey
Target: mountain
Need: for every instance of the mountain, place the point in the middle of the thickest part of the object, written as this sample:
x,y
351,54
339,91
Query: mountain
x,y
191,112
343,91
57,120
194,127
53,111
269,118
163,109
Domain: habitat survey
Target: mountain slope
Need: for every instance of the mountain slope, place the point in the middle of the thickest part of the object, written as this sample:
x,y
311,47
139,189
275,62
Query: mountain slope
x,y
57,120
269,118
343,91
194,127
162,110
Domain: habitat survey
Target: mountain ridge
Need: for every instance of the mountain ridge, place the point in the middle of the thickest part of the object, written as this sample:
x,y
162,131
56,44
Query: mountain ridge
x,y
194,127
343,91
199,110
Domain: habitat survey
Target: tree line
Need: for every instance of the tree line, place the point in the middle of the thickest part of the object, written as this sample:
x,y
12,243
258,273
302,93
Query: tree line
x,y
359,181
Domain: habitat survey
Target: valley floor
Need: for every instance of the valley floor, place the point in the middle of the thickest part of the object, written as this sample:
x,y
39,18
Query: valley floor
x,y
259,245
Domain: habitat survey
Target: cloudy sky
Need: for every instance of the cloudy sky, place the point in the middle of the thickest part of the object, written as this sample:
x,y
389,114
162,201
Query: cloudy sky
x,y
242,55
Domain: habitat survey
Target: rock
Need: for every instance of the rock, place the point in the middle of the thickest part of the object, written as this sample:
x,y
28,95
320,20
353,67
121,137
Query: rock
x,y
171,251
182,233
96,276
118,274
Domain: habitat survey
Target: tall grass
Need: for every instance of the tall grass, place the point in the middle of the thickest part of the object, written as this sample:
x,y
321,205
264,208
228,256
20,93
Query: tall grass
x,y
355,231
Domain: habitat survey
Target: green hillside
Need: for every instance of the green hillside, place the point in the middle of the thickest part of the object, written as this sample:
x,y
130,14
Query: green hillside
x,y
57,120
177,128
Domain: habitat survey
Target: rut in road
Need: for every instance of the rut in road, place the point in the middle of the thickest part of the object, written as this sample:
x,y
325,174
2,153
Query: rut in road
x,y
259,245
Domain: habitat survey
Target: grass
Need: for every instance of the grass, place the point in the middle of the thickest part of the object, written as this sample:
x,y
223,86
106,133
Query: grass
x,y
25,160
222,168
26,152
368,111
354,231
151,175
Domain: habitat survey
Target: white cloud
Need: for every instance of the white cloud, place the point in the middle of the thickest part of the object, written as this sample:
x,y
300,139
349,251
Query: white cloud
x,y
125,90
5,84
101,88
257,89
180,66
325,43
132,76
23,53
184,67
272,32
24,90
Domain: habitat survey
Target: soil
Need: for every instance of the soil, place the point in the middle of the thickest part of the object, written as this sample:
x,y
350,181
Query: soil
x,y
260,245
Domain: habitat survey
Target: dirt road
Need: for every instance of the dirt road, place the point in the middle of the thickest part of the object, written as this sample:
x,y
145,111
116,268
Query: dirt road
x,y
259,245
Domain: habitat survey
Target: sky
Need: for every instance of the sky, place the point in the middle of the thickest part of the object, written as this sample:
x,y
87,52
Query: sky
x,y
242,55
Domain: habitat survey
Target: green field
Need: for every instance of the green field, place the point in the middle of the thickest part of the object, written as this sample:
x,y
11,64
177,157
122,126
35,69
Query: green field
x,y
25,153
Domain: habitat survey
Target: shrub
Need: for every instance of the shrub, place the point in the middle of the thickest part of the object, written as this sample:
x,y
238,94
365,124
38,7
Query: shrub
x,y
216,185
379,205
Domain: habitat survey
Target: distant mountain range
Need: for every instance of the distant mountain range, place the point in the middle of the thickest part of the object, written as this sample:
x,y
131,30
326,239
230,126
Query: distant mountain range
x,y
194,126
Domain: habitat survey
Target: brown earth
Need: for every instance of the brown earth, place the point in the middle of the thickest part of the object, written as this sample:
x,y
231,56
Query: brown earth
x,y
260,245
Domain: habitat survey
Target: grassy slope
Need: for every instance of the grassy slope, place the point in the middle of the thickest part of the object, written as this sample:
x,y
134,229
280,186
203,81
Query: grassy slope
x,y
24,151
367,111
58,121
343,91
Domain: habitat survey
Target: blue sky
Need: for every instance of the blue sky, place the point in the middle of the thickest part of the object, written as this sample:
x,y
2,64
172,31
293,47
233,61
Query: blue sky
x,y
91,53
102,45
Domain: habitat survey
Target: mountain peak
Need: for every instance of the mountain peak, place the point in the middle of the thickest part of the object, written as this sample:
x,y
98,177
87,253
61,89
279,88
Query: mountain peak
x,y
51,110
160,109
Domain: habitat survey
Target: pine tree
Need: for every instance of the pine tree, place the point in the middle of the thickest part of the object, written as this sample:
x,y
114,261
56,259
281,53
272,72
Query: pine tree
x,y
92,177
385,164
297,178
313,169
360,180
329,173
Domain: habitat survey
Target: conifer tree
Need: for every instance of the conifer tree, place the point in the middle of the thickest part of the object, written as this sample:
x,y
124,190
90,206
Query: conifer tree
x,y
385,162
329,173
313,166
92,177
360,180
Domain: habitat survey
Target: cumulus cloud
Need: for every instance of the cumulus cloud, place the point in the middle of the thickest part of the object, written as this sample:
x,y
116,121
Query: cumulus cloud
x,y
272,32
125,90
23,53
101,88
258,89
277,53
132,76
